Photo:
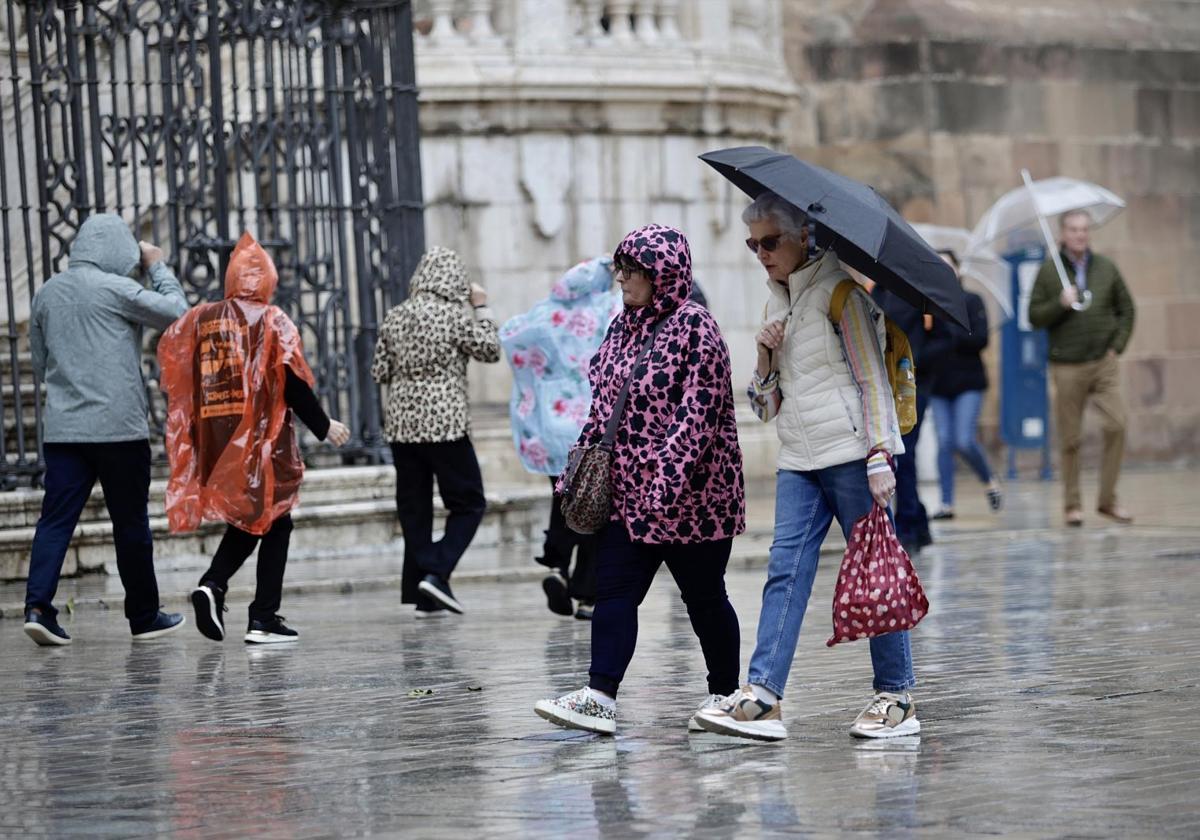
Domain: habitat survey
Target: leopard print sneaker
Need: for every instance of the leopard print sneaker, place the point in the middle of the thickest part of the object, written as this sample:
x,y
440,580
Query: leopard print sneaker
x,y
579,710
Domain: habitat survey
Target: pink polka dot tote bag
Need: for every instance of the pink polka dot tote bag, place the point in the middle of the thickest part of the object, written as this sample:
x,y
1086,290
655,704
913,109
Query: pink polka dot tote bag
x,y
877,588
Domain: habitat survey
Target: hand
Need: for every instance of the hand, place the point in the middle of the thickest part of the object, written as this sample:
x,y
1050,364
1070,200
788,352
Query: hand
x,y
1069,297
479,295
150,253
338,433
771,335
883,487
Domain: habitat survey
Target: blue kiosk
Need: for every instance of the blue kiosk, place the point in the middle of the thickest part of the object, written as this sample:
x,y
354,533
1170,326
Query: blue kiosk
x,y
1024,392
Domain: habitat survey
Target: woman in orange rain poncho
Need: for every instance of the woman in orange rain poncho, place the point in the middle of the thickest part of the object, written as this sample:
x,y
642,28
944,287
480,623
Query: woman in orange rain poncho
x,y
234,374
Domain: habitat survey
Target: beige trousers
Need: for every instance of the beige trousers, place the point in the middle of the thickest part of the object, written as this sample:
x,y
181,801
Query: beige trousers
x,y
1074,386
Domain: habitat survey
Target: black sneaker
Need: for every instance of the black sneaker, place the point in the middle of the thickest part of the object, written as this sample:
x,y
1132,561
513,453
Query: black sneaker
x,y
208,599
439,590
555,587
44,630
584,611
163,624
271,632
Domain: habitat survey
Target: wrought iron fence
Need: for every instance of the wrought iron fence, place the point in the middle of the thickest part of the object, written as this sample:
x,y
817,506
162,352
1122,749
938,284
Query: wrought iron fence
x,y
196,120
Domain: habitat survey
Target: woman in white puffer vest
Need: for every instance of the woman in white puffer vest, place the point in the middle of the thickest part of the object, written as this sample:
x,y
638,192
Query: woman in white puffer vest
x,y
837,424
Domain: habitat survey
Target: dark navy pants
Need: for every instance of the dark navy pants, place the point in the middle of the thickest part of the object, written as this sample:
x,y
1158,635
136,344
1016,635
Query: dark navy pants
x,y
72,469
624,572
912,520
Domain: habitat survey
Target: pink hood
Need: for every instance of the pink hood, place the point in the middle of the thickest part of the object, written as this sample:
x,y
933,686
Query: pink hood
x,y
677,466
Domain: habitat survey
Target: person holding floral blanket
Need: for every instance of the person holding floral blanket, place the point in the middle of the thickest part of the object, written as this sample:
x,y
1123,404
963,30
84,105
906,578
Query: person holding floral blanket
x,y
549,349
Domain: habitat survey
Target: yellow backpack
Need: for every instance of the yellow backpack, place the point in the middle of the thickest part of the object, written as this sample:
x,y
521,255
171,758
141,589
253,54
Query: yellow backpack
x,y
897,358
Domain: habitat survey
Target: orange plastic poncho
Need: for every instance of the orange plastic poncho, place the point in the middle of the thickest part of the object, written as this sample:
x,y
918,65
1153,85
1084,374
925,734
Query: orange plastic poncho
x,y
230,437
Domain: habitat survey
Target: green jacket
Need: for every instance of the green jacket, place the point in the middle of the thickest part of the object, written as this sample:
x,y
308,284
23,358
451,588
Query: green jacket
x,y
1083,336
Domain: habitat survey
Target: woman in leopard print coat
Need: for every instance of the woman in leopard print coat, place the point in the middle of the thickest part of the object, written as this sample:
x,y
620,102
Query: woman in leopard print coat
x,y
677,489
421,357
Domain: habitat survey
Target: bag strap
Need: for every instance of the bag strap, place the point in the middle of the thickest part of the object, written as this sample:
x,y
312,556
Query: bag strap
x,y
614,422
837,303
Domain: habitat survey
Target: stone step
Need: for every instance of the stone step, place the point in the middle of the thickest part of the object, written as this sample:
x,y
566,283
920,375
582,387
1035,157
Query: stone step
x,y
359,569
21,508
24,366
514,514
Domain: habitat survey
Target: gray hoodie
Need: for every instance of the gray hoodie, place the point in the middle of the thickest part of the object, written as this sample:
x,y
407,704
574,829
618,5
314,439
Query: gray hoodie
x,y
86,336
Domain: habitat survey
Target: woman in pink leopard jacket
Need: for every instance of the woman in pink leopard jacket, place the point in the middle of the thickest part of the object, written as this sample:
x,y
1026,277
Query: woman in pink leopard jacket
x,y
676,477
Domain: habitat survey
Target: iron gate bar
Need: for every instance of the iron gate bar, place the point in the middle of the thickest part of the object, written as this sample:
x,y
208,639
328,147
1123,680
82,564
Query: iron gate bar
x,y
195,120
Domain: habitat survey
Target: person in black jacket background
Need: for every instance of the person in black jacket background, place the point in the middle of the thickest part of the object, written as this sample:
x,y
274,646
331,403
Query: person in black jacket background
x,y
912,520
953,357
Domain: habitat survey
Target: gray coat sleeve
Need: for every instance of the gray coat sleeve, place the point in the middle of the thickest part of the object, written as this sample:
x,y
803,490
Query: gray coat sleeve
x,y
37,343
157,307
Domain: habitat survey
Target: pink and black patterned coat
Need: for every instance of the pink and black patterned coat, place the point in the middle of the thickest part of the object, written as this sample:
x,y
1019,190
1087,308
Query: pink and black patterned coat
x,y
677,465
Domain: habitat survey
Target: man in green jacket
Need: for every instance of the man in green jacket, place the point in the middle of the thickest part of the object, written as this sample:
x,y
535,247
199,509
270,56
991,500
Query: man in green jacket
x,y
1084,346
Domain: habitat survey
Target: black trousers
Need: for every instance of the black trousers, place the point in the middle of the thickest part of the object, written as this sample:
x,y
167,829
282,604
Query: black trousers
x,y
912,520
561,543
236,546
72,469
460,485
624,572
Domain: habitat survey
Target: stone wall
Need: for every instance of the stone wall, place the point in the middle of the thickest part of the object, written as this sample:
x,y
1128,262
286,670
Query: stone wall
x,y
940,103
548,144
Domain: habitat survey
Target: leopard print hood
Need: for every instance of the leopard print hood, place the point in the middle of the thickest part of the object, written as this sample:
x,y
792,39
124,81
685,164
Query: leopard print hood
x,y
423,350
441,273
665,251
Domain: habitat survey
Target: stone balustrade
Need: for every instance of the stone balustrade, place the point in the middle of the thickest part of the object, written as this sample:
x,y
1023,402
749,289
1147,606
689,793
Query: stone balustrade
x,y
443,24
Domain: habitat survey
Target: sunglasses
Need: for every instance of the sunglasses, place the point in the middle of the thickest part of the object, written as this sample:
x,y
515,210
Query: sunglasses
x,y
629,268
767,243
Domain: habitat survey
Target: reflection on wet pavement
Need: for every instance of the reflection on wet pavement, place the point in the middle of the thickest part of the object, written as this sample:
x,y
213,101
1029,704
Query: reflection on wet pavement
x,y
1056,671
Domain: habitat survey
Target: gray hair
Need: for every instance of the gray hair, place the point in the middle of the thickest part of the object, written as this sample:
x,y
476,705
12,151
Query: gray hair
x,y
771,206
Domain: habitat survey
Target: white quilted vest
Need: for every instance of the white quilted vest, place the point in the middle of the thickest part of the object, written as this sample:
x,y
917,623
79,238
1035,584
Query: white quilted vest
x,y
820,420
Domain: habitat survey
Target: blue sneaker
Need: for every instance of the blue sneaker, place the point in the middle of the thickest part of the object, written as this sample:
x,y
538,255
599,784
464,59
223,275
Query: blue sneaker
x,y
44,630
163,624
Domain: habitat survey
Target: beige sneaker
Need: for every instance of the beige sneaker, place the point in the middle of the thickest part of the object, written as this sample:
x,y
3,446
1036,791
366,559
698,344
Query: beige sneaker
x,y
743,715
888,716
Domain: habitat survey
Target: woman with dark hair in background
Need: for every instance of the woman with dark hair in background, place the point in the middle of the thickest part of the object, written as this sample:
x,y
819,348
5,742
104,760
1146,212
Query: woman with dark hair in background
x,y
954,360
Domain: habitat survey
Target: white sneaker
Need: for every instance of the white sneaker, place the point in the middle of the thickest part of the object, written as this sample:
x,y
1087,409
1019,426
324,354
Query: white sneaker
x,y
579,710
889,715
743,715
713,701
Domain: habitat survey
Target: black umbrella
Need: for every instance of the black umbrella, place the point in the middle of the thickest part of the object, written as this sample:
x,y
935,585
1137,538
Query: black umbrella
x,y
857,223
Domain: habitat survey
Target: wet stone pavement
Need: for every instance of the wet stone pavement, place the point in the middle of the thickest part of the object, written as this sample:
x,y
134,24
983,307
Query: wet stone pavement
x,y
1058,675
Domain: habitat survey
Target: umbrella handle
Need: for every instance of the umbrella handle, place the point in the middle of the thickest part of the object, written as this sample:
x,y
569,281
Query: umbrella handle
x,y
1086,298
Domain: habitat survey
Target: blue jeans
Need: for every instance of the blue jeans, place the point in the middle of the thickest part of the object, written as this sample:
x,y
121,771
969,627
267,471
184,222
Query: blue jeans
x,y
957,420
806,503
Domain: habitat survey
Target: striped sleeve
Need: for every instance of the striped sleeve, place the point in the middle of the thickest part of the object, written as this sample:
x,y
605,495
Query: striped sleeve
x,y
865,357
765,396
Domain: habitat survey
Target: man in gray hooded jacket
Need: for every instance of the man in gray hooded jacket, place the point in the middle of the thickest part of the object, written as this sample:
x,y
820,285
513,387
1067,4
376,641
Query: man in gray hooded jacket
x,y
85,334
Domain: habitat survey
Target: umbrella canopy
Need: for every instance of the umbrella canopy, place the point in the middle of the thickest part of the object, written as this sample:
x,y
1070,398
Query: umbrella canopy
x,y
982,271
863,229
1016,211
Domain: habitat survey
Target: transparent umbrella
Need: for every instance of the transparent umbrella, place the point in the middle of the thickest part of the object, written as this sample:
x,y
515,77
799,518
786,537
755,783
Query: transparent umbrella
x,y
982,270
1037,206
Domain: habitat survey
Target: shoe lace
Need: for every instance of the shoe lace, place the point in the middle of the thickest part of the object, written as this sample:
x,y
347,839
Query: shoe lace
x,y
879,706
